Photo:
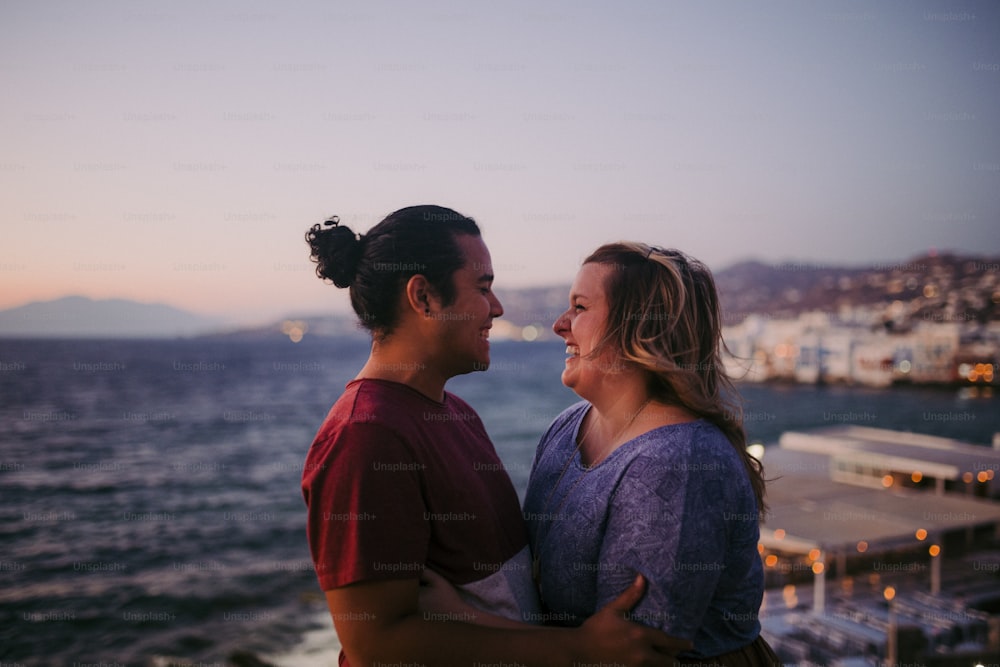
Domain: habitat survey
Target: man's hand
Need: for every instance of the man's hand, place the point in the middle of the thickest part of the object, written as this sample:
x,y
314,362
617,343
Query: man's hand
x,y
607,637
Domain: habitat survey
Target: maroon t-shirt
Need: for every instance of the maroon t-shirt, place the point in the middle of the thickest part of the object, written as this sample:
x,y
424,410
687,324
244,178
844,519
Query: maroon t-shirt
x,y
395,482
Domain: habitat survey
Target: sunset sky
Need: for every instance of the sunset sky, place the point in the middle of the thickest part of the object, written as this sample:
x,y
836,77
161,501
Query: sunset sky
x,y
177,152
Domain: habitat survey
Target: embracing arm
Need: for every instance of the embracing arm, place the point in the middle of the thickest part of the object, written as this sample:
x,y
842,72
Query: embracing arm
x,y
438,596
379,622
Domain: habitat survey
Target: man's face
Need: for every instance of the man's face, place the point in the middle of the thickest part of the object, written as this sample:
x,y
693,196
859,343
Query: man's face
x,y
465,324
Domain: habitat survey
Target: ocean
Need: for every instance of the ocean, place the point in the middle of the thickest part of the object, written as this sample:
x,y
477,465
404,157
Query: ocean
x,y
150,509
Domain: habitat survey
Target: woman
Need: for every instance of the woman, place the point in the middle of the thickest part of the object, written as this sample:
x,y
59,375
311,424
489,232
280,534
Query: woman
x,y
649,474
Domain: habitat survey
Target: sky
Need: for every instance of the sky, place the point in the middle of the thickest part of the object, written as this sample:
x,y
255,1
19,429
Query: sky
x,y
177,152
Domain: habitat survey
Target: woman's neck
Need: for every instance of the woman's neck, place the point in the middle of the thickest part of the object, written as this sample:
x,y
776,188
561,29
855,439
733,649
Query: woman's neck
x,y
617,417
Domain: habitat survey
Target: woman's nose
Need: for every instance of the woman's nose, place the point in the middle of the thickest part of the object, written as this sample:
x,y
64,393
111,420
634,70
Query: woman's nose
x,y
561,324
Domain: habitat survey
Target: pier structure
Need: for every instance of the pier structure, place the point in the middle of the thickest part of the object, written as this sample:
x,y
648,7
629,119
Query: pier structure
x,y
881,547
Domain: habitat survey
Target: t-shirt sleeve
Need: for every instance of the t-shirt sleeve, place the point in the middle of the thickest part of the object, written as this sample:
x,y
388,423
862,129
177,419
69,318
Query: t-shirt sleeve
x,y
366,511
666,523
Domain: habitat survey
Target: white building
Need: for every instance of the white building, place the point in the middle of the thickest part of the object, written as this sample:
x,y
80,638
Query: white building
x,y
812,348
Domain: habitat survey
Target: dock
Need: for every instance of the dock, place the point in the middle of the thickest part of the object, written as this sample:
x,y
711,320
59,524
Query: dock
x,y
881,548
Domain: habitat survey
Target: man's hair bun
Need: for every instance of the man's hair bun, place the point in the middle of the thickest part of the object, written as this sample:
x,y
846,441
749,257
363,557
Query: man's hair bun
x,y
336,250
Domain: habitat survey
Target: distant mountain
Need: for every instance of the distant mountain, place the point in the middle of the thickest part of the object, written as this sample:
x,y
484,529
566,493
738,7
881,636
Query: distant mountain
x,y
296,328
777,289
81,317
535,307
939,287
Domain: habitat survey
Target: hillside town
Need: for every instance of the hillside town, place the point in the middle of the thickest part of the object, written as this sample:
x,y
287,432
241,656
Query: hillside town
x,y
931,321
817,347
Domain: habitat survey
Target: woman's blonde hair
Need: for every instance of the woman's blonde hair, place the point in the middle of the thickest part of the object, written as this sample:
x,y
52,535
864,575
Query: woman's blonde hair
x,y
664,317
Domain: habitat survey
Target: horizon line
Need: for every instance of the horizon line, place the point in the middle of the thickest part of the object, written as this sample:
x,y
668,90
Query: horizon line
x,y
784,264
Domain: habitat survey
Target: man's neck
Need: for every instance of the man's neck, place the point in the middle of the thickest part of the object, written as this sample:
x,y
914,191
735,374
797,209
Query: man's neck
x,y
402,361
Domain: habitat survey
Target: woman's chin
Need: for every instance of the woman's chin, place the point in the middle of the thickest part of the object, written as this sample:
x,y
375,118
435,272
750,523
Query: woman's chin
x,y
568,379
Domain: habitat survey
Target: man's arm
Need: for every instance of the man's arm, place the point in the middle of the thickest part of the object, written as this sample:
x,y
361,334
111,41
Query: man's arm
x,y
379,622
440,598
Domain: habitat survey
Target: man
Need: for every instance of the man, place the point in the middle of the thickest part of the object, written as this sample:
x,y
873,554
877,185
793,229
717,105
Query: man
x,y
402,476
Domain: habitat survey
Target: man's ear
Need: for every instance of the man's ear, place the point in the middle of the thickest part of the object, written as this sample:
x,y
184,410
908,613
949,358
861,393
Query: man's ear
x,y
420,295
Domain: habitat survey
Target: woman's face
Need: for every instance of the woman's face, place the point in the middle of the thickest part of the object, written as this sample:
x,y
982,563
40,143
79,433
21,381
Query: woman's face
x,y
582,326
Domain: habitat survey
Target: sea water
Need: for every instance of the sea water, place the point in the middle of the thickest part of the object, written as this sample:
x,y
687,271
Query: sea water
x,y
150,506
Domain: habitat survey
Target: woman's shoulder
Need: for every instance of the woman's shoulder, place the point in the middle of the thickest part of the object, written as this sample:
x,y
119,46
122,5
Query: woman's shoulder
x,y
695,455
563,427
566,419
570,414
695,441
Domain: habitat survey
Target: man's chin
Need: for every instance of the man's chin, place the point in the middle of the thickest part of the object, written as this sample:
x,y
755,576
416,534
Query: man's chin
x,y
476,366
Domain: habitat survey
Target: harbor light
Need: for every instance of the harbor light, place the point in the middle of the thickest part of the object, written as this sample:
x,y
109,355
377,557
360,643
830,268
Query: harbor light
x,y
934,550
294,329
981,371
862,547
917,476
889,593
921,534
